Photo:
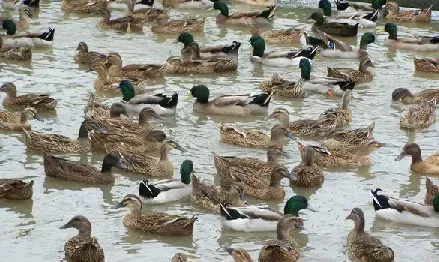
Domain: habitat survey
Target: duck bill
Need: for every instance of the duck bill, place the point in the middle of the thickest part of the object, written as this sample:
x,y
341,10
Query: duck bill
x,y
299,226
102,130
229,250
118,205
289,135
188,97
350,217
38,117
68,225
157,116
401,156
120,165
309,207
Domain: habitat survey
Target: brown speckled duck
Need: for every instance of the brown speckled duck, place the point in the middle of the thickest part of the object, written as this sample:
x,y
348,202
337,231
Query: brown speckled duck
x,y
39,102
432,191
239,254
179,257
350,140
419,117
124,24
26,115
405,96
166,26
426,65
15,189
418,16
360,75
145,14
154,222
428,166
82,247
132,71
307,173
88,57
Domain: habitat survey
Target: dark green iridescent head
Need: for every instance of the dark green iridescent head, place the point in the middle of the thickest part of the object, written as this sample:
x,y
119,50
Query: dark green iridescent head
x,y
258,44
186,169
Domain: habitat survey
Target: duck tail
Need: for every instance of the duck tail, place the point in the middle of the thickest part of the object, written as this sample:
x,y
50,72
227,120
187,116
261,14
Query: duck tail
x,y
341,6
434,40
169,102
269,13
146,190
232,48
225,213
262,99
382,253
47,35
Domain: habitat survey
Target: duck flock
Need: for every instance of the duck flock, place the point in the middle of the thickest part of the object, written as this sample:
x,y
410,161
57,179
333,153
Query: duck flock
x,y
132,132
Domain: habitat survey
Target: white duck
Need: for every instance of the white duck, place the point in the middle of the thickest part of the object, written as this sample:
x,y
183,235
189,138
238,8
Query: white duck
x,y
35,40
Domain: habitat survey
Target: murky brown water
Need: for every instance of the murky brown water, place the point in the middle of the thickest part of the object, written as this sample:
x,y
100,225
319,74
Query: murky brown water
x,y
56,201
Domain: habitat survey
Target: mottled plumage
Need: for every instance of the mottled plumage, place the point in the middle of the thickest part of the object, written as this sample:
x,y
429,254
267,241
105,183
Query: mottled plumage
x,y
360,75
419,117
15,189
307,173
39,102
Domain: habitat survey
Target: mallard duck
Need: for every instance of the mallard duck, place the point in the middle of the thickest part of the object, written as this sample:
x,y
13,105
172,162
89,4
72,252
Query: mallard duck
x,y
419,117
158,223
307,173
15,189
350,140
209,197
229,50
340,116
88,57
34,40
425,43
79,172
125,24
104,82
16,53
366,20
239,254
254,138
145,14
83,6
132,71
283,36
428,166
39,102
418,16
406,211
179,257
351,7
165,191
283,87
432,191
52,143
284,247
361,245
258,218
229,105
184,3
96,110
278,58
166,26
405,96
149,166
26,115
360,75
192,51
180,65
82,247
333,28
426,65
243,18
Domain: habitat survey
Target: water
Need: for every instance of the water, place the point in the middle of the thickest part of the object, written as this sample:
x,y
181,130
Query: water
x,y
324,237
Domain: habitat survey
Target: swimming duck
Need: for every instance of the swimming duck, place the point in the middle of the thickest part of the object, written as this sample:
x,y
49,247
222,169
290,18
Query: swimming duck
x,y
425,43
165,191
142,163
16,53
82,247
350,140
132,71
39,102
184,3
181,65
166,26
154,222
426,65
333,28
228,105
405,96
83,6
352,7
361,245
15,189
428,166
259,218
283,87
366,20
88,57
27,114
284,247
239,254
243,18
229,50
406,211
35,40
278,58
125,24
418,16
340,116
283,36
432,191
307,173
53,143
104,82
192,51
419,117
255,138
332,47
96,110
79,172
145,14
360,75
209,197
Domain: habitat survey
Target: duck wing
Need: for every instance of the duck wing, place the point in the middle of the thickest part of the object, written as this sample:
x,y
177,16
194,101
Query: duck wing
x,y
227,100
256,212
337,43
411,206
204,190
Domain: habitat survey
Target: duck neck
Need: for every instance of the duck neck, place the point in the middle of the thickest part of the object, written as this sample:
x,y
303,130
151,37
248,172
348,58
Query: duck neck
x,y
24,118
393,35
359,225
258,51
12,94
282,233
417,157
319,21
164,153
83,132
106,168
84,231
275,180
136,211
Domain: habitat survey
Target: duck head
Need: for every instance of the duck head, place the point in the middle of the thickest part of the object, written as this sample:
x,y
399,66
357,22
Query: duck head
x,y
82,47
392,30
131,201
325,5
127,89
357,216
9,88
9,26
200,92
90,125
411,149
282,115
402,94
366,39
81,223
285,224
295,204
258,44
318,18
111,160
117,109
185,38
222,7
305,69
186,169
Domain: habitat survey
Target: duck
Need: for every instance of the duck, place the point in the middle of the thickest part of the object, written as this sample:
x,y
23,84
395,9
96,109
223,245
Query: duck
x,y
278,58
179,257
96,110
124,24
255,138
154,222
362,245
144,164
418,16
405,96
406,211
350,140
35,40
82,247
239,254
284,247
208,65
192,51
357,76
340,116
178,26
428,166
39,102
333,28
424,43
419,117
27,114
260,218
185,3
228,105
15,189
104,82
86,57
210,197
243,18
349,7
83,6
132,71
228,50
426,65
335,48
16,53
53,143
75,171
165,191
366,20
431,191
142,15
291,36
307,173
